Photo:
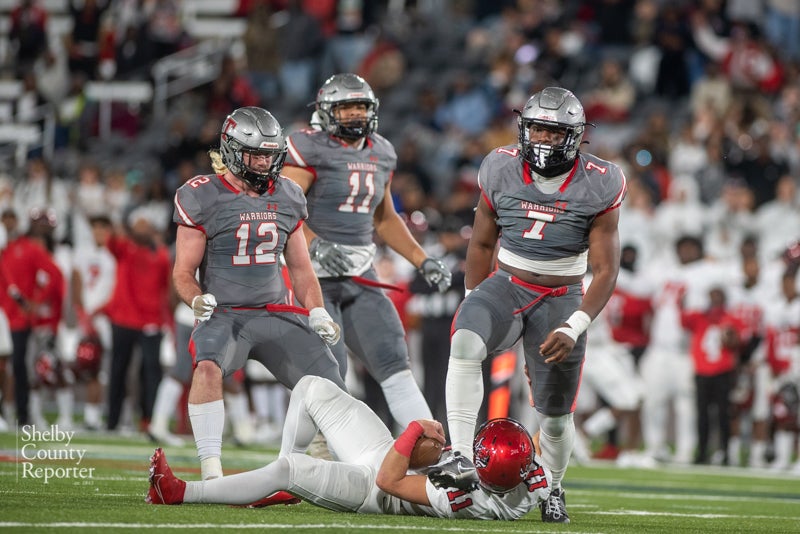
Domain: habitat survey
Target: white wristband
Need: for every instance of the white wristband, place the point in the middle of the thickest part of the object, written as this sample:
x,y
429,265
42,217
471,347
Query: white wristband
x,y
578,322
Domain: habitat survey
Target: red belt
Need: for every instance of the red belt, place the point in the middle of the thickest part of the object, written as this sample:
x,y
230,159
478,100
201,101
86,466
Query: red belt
x,y
543,290
277,308
374,283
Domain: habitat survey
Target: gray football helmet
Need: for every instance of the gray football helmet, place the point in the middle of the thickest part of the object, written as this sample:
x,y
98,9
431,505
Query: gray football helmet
x,y
254,131
555,109
341,88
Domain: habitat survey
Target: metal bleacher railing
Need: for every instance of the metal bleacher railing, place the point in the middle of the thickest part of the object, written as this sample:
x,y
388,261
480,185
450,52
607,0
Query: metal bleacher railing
x,y
209,22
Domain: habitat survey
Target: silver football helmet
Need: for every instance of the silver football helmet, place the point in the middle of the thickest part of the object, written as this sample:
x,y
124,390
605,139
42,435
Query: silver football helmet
x,y
254,131
341,88
557,110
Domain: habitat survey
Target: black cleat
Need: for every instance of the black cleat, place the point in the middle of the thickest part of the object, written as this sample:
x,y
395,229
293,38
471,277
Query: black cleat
x,y
554,509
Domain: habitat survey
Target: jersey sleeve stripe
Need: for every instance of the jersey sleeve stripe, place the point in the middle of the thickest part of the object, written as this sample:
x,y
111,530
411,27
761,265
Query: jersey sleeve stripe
x,y
295,153
619,198
297,226
488,202
183,215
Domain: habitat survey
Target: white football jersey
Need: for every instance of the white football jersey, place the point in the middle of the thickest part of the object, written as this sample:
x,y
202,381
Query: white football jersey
x,y
478,504
98,270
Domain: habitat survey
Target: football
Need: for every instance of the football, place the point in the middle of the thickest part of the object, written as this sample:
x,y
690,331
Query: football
x,y
427,451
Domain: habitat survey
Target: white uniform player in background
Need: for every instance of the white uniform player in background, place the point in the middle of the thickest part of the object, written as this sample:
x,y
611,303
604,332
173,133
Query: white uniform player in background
x,y
94,274
666,366
372,475
608,373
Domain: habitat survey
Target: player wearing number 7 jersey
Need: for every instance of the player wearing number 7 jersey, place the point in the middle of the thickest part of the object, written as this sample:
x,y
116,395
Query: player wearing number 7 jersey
x,y
550,207
345,168
233,226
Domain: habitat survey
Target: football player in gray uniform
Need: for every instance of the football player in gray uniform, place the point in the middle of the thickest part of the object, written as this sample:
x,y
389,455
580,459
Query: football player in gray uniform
x,y
233,226
345,167
372,475
552,209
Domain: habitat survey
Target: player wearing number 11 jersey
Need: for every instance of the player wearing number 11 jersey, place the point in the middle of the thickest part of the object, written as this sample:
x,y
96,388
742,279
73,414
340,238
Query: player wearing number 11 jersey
x,y
233,226
553,211
345,168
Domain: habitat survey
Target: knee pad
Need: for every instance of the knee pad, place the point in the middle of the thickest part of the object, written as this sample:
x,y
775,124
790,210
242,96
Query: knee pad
x,y
467,345
555,426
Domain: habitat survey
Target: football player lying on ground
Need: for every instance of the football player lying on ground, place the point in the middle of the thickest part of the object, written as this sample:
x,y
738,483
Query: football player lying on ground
x,y
372,475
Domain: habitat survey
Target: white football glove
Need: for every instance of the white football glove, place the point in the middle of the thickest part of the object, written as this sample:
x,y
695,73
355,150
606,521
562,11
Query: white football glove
x,y
323,324
203,306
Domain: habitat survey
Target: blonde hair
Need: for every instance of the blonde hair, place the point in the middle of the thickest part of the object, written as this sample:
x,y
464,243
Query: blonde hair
x,y
216,162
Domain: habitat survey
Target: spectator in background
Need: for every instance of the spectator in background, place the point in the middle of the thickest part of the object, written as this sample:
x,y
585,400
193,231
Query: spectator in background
x,y
164,27
468,107
27,35
778,221
138,309
613,97
300,45
730,220
230,90
745,58
711,91
28,270
782,27
715,340
38,188
83,42
262,45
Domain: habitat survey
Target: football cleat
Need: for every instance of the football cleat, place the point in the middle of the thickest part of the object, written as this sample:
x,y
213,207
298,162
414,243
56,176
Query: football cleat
x,y
456,471
165,487
554,509
279,497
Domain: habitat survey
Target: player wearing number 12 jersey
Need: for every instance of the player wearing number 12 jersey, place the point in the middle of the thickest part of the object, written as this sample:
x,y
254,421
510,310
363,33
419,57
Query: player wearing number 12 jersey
x,y
233,226
345,168
553,210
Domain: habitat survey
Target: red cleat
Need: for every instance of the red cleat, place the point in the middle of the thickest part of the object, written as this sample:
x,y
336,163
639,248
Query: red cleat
x,y
279,497
165,487
608,452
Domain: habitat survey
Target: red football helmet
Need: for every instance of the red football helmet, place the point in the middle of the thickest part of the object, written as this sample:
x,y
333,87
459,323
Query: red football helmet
x,y
48,369
88,355
503,454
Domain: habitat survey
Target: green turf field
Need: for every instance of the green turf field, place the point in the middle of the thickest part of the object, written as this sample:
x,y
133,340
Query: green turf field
x,y
600,498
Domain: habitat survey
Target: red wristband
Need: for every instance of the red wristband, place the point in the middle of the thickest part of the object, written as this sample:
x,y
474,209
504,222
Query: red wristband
x,y
404,444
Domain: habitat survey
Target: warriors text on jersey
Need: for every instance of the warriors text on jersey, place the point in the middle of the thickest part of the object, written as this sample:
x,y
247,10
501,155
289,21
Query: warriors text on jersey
x,y
348,183
246,236
540,226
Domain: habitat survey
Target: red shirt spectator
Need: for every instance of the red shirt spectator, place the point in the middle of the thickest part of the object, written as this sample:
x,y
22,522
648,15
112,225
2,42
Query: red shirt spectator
x,y
140,297
629,317
20,266
715,334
